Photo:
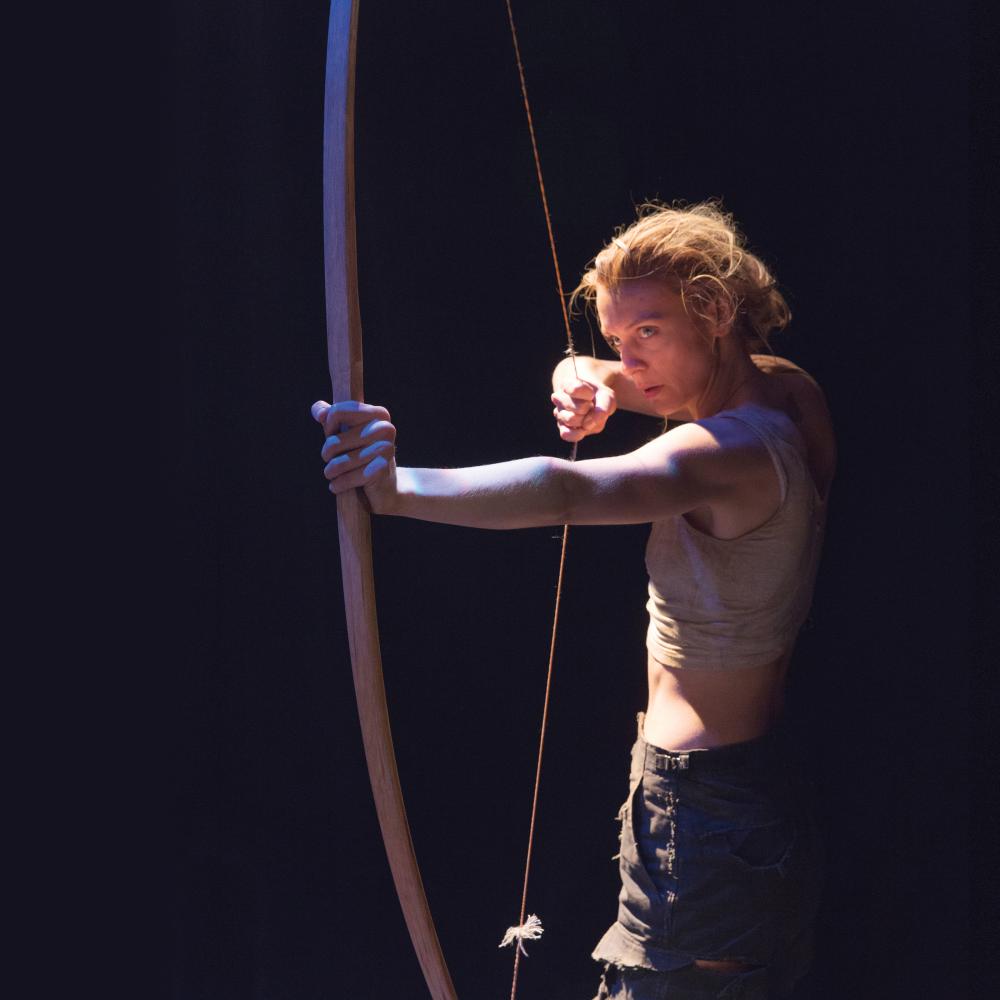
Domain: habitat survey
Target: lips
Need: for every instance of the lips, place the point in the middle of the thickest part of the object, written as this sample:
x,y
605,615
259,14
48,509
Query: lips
x,y
651,391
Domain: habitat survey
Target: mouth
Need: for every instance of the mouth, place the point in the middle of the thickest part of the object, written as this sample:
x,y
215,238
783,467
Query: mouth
x,y
651,391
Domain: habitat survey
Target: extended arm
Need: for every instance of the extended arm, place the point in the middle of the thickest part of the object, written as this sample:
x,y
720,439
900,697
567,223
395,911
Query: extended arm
x,y
674,473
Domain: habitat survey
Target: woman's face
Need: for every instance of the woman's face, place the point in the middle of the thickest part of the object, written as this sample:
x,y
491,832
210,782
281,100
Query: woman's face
x,y
662,351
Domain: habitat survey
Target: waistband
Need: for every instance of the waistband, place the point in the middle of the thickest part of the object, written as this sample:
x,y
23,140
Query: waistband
x,y
756,753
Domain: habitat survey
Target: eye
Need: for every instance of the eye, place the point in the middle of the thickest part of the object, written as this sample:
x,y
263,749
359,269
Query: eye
x,y
614,343
645,332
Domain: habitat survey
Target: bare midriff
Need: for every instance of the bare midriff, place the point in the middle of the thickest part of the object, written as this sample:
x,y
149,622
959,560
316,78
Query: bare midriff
x,y
699,709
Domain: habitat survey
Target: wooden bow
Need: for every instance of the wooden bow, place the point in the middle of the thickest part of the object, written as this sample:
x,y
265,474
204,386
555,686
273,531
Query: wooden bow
x,y
343,331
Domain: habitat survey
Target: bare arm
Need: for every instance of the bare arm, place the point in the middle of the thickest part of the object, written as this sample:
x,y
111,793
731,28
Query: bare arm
x,y
800,395
586,393
674,473
608,374
665,477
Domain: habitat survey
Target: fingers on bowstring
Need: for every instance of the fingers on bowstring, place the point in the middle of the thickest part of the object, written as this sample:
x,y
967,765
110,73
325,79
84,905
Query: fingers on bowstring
x,y
571,433
565,416
575,394
604,400
577,389
565,403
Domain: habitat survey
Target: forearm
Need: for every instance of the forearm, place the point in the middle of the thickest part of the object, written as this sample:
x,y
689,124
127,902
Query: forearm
x,y
595,370
609,374
528,492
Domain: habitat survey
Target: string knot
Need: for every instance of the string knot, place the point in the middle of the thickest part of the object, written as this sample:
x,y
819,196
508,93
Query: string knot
x,y
530,930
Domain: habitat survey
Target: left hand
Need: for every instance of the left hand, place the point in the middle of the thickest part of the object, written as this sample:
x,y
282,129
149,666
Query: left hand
x,y
359,450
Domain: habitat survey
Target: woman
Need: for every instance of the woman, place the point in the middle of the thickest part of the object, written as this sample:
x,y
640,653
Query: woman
x,y
718,860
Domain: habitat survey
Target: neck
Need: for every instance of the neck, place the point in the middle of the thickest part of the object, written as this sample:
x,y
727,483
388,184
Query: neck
x,y
735,380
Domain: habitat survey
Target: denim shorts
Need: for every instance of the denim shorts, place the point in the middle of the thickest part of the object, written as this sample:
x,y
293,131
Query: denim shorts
x,y
719,860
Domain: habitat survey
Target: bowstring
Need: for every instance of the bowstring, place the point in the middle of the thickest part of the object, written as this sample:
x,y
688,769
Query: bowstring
x,y
565,533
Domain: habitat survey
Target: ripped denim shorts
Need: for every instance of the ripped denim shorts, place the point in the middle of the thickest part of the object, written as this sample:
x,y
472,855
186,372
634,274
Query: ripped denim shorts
x,y
719,860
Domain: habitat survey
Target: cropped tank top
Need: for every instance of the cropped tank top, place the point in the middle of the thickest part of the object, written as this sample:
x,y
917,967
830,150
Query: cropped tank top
x,y
729,604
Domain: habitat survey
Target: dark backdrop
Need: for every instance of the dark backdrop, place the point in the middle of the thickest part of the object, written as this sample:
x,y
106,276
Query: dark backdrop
x,y
838,137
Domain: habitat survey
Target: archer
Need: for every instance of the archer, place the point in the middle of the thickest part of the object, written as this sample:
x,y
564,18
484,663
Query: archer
x,y
719,859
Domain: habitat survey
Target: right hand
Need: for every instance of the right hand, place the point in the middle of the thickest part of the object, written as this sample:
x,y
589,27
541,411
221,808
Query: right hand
x,y
581,408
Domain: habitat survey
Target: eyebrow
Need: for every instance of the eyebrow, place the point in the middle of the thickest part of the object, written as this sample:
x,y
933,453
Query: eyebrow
x,y
645,317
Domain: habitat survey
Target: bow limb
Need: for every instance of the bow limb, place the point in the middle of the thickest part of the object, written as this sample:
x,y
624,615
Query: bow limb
x,y
343,324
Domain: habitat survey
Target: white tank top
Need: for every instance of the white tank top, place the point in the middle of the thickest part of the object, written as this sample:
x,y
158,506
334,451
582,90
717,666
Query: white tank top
x,y
729,604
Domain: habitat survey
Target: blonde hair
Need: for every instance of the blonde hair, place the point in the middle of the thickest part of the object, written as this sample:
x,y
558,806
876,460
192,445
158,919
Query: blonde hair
x,y
699,251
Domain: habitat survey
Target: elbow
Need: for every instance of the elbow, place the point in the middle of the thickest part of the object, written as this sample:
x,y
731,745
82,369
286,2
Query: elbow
x,y
564,369
544,497
567,493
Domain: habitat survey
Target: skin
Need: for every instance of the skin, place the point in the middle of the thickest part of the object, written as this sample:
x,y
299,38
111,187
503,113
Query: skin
x,y
717,474
665,370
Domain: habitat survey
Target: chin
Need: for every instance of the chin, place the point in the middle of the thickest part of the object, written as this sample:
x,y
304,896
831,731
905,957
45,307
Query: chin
x,y
674,409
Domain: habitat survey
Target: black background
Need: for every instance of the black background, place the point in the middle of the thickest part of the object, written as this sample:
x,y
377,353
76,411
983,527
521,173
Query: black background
x,y
839,138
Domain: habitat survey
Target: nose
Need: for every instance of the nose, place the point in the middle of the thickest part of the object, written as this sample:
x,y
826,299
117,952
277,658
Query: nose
x,y
630,361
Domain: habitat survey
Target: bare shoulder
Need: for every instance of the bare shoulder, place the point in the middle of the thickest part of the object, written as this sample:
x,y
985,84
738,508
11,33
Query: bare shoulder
x,y
796,393
725,452
773,364
737,485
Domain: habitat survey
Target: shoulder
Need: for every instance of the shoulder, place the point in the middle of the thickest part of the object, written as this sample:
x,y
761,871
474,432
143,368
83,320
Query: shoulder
x,y
791,384
717,451
728,475
797,394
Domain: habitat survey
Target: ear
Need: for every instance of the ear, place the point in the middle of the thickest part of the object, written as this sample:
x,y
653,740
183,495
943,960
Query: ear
x,y
721,316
